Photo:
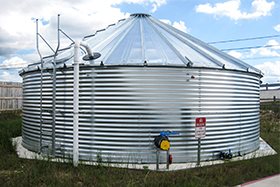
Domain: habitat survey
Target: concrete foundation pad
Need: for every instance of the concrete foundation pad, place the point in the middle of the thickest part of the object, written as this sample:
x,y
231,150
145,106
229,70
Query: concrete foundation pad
x,y
265,150
270,181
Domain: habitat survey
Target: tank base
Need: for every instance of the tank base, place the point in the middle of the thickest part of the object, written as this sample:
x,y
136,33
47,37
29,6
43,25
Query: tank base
x,y
264,150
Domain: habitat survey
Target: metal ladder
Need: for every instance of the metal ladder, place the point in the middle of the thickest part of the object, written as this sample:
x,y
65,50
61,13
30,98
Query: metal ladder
x,y
43,145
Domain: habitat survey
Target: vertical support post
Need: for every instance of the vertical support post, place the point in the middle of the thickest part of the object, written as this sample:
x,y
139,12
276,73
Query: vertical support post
x,y
199,139
157,161
167,159
41,83
54,87
53,107
76,105
198,151
58,32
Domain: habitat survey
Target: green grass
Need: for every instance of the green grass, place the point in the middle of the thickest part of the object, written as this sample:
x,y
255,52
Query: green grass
x,y
271,106
21,172
10,126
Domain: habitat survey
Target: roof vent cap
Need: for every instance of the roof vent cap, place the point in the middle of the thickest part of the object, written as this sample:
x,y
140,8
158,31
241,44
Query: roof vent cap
x,y
140,15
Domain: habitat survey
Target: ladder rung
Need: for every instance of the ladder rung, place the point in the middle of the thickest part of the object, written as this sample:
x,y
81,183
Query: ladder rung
x,y
45,133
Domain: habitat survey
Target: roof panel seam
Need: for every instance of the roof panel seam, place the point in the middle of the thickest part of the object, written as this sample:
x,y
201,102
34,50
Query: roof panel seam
x,y
169,44
123,34
225,56
188,43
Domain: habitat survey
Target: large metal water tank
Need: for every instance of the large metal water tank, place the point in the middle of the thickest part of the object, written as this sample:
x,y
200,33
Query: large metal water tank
x,y
150,78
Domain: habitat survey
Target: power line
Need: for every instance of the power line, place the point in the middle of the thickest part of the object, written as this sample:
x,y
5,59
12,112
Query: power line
x,y
14,66
249,47
256,58
245,39
7,68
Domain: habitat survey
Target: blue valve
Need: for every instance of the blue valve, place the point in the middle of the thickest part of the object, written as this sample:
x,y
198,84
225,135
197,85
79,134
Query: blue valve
x,y
168,133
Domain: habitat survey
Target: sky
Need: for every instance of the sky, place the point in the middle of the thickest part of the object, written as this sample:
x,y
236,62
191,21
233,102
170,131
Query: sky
x,y
210,21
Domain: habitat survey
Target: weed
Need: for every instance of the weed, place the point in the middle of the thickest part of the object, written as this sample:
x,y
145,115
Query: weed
x,y
21,172
99,160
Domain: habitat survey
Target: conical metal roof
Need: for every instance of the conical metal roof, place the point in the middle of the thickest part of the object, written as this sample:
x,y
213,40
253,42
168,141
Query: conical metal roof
x,y
144,40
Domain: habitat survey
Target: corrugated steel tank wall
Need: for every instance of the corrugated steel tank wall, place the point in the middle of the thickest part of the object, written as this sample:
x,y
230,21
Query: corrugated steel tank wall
x,y
122,109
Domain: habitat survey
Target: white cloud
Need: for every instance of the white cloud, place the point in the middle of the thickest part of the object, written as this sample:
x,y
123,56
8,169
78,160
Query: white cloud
x,y
178,25
235,54
167,21
271,71
271,68
266,52
78,18
232,10
277,27
273,51
13,62
275,44
9,76
9,69
156,4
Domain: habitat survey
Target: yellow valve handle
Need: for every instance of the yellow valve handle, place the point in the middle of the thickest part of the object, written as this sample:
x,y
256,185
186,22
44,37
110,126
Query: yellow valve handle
x,y
165,145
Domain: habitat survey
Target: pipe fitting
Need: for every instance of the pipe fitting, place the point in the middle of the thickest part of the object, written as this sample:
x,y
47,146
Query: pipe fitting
x,y
88,49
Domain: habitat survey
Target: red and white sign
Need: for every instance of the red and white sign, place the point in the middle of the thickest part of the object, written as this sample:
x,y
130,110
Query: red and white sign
x,y
200,127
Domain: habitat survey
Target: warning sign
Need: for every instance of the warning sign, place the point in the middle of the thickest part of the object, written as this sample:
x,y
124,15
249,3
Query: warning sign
x,y
200,127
